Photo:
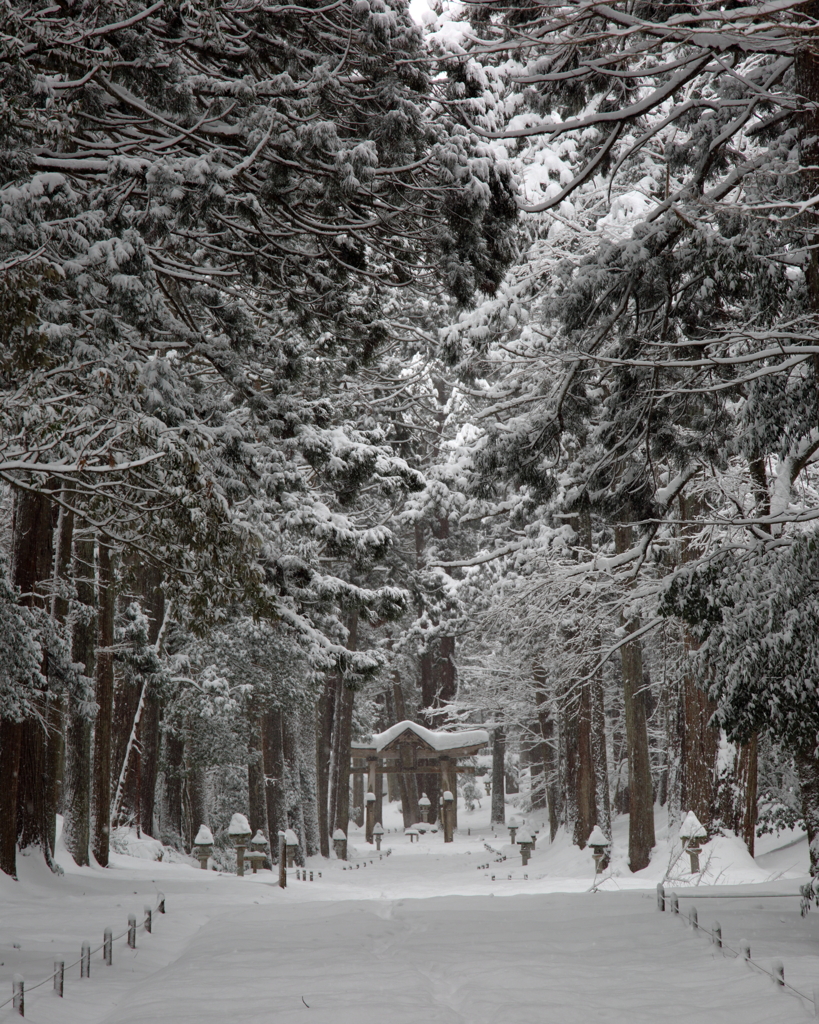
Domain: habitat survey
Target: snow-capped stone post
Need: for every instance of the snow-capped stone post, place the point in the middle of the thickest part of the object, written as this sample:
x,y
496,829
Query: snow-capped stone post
x,y
424,805
660,897
692,834
513,827
378,832
291,842
239,832
340,844
525,843
600,849
203,846
449,815
18,987
370,820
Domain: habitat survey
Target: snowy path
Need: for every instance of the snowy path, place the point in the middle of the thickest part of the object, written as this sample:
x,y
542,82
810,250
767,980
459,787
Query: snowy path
x,y
419,937
247,950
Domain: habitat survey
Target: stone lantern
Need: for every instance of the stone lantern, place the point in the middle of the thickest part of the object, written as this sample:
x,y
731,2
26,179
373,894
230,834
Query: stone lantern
x,y
600,848
692,833
378,832
424,805
448,802
203,845
524,841
239,832
291,842
258,850
340,844
513,827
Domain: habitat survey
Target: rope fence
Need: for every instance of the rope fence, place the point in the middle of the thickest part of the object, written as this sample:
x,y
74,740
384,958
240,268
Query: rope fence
x,y
777,971
57,976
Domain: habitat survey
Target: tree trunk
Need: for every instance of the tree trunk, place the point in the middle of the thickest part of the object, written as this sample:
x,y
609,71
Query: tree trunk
x,y
641,796
195,802
807,771
342,732
407,783
256,797
104,675
600,758
77,822
11,736
580,764
358,792
148,751
273,749
32,571
324,748
498,814
309,787
174,780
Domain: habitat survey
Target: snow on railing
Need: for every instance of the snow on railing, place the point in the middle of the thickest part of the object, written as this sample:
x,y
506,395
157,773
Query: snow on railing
x,y
777,969
58,974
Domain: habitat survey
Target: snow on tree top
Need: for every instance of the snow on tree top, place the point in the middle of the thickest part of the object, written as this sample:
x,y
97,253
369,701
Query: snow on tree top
x,y
204,837
598,837
437,740
239,825
338,834
691,828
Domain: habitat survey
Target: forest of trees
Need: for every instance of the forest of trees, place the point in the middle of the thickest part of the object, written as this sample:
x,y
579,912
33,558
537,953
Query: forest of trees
x,y
355,370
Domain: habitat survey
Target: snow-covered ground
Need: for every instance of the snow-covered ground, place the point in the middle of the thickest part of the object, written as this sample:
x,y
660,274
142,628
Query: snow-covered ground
x,y
421,936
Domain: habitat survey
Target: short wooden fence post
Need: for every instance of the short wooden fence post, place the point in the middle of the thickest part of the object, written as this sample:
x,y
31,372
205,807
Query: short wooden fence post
x,y
85,960
148,920
59,977
108,946
18,988
660,896
778,969
717,934
132,931
745,949
675,903
693,918
816,1002
161,905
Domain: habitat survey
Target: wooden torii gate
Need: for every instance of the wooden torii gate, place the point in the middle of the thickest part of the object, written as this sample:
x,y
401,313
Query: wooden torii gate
x,y
409,749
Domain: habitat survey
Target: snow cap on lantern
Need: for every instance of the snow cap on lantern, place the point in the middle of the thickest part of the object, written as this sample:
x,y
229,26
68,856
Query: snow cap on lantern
x,y
204,837
424,801
692,828
338,834
259,839
239,826
291,839
598,837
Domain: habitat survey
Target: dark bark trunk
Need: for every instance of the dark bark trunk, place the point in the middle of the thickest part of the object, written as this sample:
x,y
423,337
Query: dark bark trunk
x,y
32,571
324,750
195,802
11,735
407,783
147,753
309,789
273,749
585,797
104,676
641,796
807,771
498,814
551,768
600,758
174,784
292,770
342,732
77,824
256,797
